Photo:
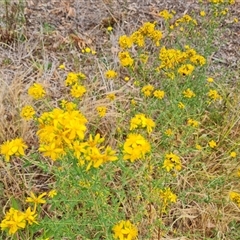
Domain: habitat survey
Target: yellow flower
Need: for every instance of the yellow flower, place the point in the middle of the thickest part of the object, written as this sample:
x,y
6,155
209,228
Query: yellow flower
x,y
36,200
77,91
13,147
210,80
52,193
141,121
147,90
126,79
235,197
125,42
167,197
233,154
172,161
159,94
102,110
198,147
214,95
169,132
109,29
13,221
212,144
125,230
27,112
192,122
181,105
74,78
135,147
110,74
111,96
202,13
30,216
62,66
166,14
36,91
125,59
189,93
186,69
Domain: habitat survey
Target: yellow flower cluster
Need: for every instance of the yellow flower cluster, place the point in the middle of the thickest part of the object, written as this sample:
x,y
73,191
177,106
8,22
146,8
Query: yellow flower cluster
x,y
167,197
36,91
102,110
188,93
110,74
235,197
14,147
183,60
192,122
125,59
62,131
141,121
135,147
125,230
58,129
74,81
185,19
27,112
147,30
166,14
214,95
15,219
172,161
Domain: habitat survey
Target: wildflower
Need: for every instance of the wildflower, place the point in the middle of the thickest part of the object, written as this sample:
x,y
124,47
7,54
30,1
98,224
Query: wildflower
x,y
210,80
36,200
111,96
147,90
126,79
202,13
214,95
198,147
125,230
101,111
77,91
13,221
30,216
140,120
167,197
86,50
189,93
192,122
186,69
159,94
198,60
62,66
135,147
13,147
233,154
27,112
125,59
125,42
169,132
212,144
138,38
166,15
36,91
181,105
172,161
74,78
52,193
235,197
110,74
52,150
109,29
